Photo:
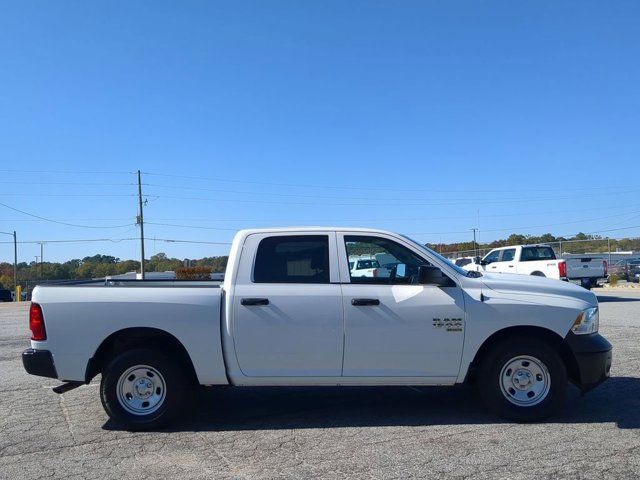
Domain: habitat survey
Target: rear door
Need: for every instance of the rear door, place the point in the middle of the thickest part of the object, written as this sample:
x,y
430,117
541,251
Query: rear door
x,y
395,327
507,262
492,260
288,319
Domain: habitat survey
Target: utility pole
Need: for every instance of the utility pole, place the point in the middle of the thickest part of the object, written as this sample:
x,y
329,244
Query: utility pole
x,y
15,262
475,244
15,258
41,257
141,223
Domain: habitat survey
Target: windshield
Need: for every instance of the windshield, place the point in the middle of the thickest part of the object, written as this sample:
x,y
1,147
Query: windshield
x,y
461,271
532,254
367,264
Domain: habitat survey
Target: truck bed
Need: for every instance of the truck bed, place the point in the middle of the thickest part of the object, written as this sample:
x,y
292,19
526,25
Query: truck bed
x,y
81,315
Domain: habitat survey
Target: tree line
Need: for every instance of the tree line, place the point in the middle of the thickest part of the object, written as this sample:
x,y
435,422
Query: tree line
x,y
99,266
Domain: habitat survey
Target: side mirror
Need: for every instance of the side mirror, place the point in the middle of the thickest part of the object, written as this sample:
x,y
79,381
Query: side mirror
x,y
484,262
430,275
401,270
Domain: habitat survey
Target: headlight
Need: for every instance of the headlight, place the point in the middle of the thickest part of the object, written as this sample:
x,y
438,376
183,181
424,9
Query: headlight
x,y
587,322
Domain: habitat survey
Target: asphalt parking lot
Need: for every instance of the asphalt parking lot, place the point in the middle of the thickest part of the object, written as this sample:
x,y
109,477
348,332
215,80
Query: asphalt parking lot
x,y
325,432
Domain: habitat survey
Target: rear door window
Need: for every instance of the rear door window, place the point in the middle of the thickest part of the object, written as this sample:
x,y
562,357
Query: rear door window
x,y
492,257
292,259
531,254
508,255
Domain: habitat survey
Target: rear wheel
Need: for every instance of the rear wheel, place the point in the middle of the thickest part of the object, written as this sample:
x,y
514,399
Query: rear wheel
x,y
586,283
142,389
523,380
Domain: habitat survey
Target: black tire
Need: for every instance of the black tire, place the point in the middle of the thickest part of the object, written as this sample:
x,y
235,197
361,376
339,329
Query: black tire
x,y
538,274
490,379
174,381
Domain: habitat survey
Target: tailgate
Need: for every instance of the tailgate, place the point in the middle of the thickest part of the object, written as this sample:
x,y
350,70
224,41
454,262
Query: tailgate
x,y
585,267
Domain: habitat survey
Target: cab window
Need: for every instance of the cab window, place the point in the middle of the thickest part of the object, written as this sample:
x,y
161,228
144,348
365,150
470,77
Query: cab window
x,y
292,259
391,263
508,255
492,257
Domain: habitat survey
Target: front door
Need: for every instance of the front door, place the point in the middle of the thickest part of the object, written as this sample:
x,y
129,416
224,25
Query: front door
x,y
287,312
395,327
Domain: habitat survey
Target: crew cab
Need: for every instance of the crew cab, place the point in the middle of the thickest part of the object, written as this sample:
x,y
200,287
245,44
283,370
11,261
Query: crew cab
x,y
289,312
541,261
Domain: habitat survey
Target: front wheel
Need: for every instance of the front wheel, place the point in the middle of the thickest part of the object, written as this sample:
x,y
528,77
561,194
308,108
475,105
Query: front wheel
x,y
141,389
523,380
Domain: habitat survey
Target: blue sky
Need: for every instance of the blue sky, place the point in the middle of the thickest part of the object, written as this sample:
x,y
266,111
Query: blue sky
x,y
428,118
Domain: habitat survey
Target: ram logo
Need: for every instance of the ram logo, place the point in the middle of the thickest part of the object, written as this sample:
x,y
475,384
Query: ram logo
x,y
449,324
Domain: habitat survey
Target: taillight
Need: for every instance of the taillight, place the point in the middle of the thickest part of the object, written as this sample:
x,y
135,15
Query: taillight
x,y
36,323
375,272
606,267
562,269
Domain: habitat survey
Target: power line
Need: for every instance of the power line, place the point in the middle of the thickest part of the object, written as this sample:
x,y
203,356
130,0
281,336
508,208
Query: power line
x,y
303,195
64,220
59,222
422,218
471,202
74,172
118,240
169,240
90,184
369,188
80,240
38,194
614,229
530,227
191,226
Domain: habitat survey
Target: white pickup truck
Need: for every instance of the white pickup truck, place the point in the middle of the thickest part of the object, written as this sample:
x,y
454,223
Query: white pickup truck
x,y
290,313
541,261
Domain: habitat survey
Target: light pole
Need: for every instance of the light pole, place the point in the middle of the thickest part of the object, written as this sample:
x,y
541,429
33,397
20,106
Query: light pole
x,y
475,244
41,257
15,259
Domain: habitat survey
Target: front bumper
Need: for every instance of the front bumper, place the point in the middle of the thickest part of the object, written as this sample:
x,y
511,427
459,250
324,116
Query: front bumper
x,y
593,355
39,362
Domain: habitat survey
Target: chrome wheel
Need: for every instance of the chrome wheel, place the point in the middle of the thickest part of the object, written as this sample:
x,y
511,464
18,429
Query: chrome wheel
x,y
525,381
141,390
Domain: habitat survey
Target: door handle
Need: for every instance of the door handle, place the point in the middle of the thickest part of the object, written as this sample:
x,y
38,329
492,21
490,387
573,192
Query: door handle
x,y
254,301
510,266
362,302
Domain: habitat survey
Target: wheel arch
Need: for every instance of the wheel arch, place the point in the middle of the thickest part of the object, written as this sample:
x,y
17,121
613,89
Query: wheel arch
x,y
538,273
138,337
525,331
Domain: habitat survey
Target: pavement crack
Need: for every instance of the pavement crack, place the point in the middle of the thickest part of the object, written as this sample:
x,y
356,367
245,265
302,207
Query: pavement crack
x,y
65,414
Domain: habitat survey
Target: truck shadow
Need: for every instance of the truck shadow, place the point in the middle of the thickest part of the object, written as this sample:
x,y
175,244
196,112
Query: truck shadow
x,y
606,299
270,408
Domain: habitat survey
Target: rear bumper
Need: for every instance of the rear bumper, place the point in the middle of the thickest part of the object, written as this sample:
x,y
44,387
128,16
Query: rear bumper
x,y
39,362
593,356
